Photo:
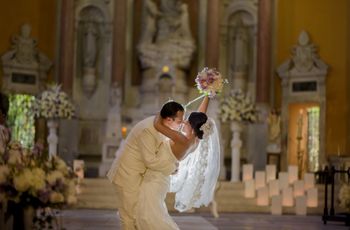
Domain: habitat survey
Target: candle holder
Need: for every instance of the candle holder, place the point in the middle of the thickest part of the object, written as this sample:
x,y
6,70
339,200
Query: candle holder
x,y
300,157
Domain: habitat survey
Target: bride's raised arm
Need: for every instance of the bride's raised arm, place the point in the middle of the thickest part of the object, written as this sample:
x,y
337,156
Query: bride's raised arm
x,y
204,105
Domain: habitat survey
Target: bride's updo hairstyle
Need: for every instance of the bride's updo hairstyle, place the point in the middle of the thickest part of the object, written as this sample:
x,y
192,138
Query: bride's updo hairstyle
x,y
196,120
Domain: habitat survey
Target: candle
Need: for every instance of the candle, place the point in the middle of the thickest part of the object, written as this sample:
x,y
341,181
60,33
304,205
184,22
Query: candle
x,y
124,130
300,124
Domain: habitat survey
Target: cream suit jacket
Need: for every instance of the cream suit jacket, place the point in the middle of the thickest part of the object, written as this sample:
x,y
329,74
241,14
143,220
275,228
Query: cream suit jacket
x,y
144,149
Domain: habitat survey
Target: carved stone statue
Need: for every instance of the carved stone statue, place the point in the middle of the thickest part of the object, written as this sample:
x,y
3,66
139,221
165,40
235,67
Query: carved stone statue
x,y
165,31
90,44
240,57
113,126
304,53
25,46
149,22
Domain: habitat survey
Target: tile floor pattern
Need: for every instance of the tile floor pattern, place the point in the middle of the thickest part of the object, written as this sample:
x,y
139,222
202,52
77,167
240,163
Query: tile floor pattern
x,y
82,219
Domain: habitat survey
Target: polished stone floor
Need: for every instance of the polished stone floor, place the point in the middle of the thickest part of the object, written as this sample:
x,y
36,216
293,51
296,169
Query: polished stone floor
x,y
83,219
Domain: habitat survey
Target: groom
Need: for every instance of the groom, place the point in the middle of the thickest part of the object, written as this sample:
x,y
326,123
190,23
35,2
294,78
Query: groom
x,y
141,151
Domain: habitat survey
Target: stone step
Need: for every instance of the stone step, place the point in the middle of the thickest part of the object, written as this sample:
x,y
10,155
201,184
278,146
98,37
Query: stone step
x,y
98,193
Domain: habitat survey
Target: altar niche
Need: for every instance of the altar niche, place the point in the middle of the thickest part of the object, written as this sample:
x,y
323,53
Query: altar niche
x,y
304,136
303,78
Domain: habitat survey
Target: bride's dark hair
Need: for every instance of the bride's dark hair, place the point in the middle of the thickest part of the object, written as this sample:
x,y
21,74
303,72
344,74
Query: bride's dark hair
x,y
196,120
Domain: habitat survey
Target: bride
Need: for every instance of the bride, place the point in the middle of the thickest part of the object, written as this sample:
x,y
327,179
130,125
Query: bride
x,y
197,150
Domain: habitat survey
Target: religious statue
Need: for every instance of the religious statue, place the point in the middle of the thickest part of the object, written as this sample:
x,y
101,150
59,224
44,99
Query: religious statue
x,y
304,53
274,141
241,39
24,46
90,40
164,31
114,115
149,28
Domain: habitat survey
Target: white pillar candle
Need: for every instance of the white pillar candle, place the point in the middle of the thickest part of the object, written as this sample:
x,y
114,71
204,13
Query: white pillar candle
x,y
274,188
249,188
312,197
276,205
263,197
292,173
309,179
298,188
259,179
287,197
270,172
283,180
247,172
300,205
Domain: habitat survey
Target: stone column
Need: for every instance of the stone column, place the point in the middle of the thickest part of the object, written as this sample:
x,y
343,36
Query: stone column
x,y
263,81
264,51
119,30
212,47
66,43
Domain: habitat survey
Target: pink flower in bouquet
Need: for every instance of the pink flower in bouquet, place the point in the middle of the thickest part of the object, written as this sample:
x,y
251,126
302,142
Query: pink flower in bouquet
x,y
210,82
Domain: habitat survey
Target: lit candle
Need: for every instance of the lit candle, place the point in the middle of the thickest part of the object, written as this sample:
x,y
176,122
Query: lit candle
x,y
300,124
124,130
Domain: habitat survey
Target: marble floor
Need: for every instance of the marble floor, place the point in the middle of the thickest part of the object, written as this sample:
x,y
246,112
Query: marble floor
x,y
88,219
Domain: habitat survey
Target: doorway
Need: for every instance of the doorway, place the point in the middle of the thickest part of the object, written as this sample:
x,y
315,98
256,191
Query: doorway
x,y
304,136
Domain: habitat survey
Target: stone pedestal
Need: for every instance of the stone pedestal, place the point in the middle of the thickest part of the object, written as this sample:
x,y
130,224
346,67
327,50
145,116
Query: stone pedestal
x,y
52,138
236,145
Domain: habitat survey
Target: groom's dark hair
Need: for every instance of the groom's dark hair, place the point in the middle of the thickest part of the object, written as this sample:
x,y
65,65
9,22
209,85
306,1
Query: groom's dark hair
x,y
170,109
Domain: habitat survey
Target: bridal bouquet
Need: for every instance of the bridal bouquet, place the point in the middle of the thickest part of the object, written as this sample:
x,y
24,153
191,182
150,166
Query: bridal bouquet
x,y
238,107
30,179
53,103
210,82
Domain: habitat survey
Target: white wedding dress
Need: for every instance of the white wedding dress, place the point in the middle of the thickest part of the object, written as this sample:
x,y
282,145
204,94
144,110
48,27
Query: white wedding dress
x,y
194,184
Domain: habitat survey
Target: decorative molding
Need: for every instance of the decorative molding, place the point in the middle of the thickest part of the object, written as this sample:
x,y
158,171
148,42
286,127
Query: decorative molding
x,y
25,68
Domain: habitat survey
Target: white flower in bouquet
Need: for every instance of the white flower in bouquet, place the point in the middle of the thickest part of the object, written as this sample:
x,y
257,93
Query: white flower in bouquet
x,y
22,181
56,197
53,176
61,165
4,173
38,180
237,107
53,103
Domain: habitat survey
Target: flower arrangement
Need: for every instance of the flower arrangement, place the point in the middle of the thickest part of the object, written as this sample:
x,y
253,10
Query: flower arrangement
x,y
30,178
344,196
53,103
210,82
238,107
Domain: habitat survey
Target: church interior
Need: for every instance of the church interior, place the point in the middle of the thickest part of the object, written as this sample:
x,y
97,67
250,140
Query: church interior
x,y
282,116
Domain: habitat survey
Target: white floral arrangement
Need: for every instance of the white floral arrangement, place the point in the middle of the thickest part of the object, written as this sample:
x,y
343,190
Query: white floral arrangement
x,y
238,107
53,103
30,178
344,196
210,82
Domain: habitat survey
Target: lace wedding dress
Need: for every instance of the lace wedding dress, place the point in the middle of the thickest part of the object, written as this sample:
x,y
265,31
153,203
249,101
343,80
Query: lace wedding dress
x,y
194,183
